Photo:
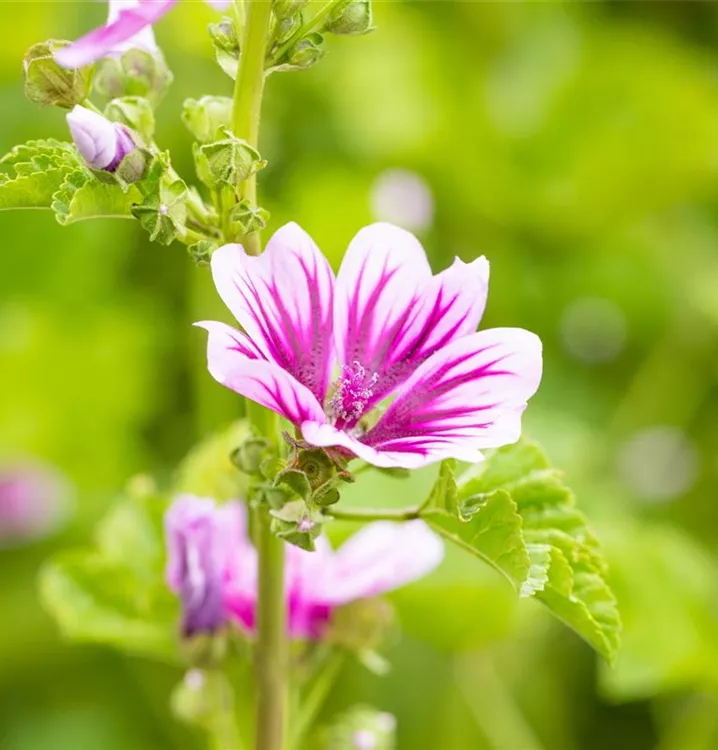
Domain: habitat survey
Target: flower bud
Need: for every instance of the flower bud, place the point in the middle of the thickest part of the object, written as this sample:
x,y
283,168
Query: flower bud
x,y
101,143
136,72
287,8
350,18
46,82
134,112
206,117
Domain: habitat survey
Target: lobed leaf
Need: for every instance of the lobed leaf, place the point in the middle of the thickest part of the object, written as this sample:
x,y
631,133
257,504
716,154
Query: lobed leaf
x,y
81,197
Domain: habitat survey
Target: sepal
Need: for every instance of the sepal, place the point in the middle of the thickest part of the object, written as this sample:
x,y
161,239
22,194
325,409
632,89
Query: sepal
x,y
134,112
207,117
226,45
134,73
350,18
47,83
228,161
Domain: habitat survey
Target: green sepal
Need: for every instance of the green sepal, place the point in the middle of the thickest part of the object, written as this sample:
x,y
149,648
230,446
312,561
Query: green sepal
x,y
132,169
136,113
296,524
350,18
206,118
245,219
227,162
134,73
163,212
201,251
296,482
48,83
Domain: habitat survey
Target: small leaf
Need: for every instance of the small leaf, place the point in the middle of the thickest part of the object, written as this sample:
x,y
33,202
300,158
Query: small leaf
x,y
488,527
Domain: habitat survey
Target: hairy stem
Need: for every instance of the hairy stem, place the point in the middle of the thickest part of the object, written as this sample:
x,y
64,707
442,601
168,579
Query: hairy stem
x,y
271,654
248,90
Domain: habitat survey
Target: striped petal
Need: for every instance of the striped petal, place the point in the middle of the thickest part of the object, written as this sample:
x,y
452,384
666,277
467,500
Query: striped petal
x,y
124,24
283,299
391,314
234,361
468,396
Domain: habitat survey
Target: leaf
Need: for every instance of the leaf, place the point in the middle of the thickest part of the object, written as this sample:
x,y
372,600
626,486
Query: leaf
x,y
115,593
33,190
59,154
567,568
81,197
488,527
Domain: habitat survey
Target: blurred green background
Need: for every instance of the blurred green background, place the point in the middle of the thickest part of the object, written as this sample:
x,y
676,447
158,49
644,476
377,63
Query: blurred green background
x,y
576,145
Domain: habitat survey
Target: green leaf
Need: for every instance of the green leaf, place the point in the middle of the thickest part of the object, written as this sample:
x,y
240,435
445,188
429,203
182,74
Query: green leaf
x,y
32,190
81,197
163,212
488,527
567,569
115,593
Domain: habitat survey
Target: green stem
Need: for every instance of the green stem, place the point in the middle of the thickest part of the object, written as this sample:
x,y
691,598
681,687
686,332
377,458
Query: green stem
x,y
271,653
248,90
373,514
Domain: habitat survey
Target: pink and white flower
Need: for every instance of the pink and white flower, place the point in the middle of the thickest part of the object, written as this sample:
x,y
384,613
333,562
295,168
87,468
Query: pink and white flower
x,y
394,331
212,566
129,25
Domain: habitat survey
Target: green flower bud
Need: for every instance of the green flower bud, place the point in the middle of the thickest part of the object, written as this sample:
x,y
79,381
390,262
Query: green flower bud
x,y
305,53
226,45
163,212
47,83
251,454
206,117
350,18
134,112
135,73
226,162
288,8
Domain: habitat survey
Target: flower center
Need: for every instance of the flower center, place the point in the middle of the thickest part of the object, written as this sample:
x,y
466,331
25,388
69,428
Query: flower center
x,y
353,391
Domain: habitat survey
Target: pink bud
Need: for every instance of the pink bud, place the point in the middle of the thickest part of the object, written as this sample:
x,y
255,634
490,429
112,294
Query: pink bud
x,y
102,144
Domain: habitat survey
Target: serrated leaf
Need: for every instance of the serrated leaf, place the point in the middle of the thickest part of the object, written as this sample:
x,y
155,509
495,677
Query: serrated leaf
x,y
59,153
488,527
115,593
567,569
96,600
34,190
81,197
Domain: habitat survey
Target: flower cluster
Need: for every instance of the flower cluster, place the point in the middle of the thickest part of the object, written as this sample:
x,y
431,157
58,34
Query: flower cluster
x,y
394,330
212,566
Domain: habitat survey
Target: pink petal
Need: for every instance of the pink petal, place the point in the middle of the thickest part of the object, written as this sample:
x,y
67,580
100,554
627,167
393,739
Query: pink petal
x,y
391,314
468,396
104,40
234,361
283,299
383,556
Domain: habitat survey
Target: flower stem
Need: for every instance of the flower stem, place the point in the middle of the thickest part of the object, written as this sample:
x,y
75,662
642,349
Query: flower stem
x,y
248,90
373,514
271,653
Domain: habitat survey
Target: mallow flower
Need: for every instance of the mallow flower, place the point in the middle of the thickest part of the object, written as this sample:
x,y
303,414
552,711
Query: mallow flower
x,y
129,24
384,362
212,566
102,144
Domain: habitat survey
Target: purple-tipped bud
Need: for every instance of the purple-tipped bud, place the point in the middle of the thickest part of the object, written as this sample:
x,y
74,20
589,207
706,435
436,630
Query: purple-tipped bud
x,y
102,144
196,532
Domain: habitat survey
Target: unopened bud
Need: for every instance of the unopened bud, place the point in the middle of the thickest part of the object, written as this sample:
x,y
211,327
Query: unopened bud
x,y
206,117
101,143
306,52
46,82
350,18
288,8
134,73
134,112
